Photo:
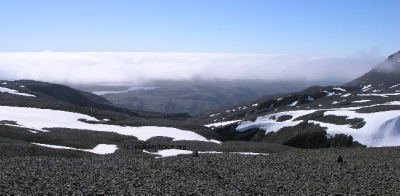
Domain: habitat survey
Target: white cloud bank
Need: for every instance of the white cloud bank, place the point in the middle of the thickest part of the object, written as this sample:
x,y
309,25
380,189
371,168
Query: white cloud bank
x,y
136,67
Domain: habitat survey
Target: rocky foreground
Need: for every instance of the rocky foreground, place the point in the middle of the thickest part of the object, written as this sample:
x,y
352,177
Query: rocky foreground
x,y
371,171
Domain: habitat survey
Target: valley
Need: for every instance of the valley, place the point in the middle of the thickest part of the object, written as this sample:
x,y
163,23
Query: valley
x,y
356,114
191,96
229,123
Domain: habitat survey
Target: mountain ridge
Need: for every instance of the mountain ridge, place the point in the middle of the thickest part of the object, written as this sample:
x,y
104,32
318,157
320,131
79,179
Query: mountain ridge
x,y
382,77
356,114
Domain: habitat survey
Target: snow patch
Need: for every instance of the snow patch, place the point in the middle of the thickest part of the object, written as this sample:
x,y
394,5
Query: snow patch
x,y
99,149
249,153
381,128
310,98
361,101
175,152
222,123
15,92
346,95
212,115
293,104
269,124
365,88
329,93
379,95
395,86
210,152
339,89
39,119
169,152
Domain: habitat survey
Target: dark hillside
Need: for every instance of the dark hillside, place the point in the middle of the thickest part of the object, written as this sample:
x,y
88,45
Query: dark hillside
x,y
57,92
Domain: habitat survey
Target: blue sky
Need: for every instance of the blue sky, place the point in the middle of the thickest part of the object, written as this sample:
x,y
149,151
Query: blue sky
x,y
320,27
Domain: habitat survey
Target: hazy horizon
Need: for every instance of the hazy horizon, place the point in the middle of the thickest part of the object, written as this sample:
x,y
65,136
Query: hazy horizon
x,y
95,67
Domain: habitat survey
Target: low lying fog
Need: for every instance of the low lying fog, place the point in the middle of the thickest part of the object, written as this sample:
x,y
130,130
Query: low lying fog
x,y
65,67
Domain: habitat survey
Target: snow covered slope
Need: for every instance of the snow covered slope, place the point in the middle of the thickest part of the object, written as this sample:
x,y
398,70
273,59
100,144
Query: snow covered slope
x,y
375,129
40,119
367,109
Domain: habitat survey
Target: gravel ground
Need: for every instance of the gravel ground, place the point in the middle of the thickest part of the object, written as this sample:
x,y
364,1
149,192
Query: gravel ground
x,y
371,171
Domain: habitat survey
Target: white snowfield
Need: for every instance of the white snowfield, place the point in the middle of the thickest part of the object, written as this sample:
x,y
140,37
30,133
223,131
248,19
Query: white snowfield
x,y
99,149
175,152
15,92
381,128
269,123
39,119
169,152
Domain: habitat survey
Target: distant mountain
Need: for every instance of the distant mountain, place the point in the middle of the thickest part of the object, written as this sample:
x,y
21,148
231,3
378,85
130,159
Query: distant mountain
x,y
385,77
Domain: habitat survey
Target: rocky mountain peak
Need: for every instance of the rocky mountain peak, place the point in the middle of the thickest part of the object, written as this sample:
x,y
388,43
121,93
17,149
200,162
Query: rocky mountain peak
x,y
391,64
385,77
